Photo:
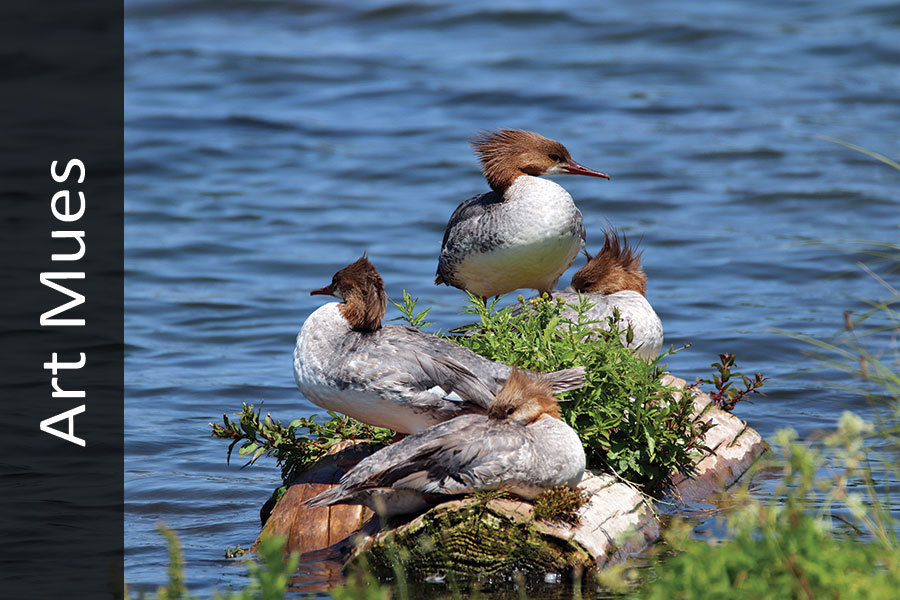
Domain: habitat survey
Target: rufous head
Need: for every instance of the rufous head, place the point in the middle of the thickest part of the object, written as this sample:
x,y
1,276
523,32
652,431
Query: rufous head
x,y
362,290
524,399
616,268
506,154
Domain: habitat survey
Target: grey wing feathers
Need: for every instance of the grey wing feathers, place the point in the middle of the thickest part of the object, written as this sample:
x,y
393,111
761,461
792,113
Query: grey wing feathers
x,y
460,463
472,209
332,496
473,377
579,225
451,458
492,374
454,368
454,377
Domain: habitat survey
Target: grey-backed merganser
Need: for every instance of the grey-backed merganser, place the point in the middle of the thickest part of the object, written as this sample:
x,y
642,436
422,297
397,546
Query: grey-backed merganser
x,y
521,446
392,376
526,231
614,279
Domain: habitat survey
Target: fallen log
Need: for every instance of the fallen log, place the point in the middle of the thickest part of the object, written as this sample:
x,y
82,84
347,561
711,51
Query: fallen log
x,y
499,536
309,529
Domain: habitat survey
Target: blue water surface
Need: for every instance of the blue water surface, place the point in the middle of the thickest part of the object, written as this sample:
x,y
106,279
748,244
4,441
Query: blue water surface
x,y
269,143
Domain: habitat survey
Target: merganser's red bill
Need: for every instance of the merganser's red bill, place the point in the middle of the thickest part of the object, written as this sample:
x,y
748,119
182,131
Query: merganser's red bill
x,y
575,169
325,291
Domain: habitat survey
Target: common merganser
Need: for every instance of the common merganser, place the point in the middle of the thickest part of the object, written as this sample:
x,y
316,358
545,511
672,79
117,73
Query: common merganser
x,y
392,376
521,446
615,279
526,231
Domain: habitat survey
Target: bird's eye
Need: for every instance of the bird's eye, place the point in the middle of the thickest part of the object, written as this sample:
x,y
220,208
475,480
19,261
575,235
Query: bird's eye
x,y
554,157
510,411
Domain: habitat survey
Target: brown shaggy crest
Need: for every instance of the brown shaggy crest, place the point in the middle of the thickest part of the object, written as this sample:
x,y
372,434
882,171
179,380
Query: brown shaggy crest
x,y
362,290
616,268
506,154
524,398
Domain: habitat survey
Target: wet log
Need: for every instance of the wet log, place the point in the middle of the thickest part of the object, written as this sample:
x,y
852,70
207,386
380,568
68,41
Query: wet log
x,y
499,536
311,529
733,447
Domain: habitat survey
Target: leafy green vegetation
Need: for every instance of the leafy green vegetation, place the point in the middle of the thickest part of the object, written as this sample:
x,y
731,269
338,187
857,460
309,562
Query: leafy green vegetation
x,y
827,533
296,446
408,314
628,421
784,549
726,394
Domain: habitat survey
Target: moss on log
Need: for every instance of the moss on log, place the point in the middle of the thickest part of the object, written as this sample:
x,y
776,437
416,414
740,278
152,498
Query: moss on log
x,y
493,538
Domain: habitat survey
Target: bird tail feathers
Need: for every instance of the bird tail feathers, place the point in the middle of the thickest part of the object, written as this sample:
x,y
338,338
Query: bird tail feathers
x,y
565,380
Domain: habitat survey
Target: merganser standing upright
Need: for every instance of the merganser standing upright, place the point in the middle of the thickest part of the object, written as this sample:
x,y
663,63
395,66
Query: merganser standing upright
x,y
523,233
615,280
521,445
392,376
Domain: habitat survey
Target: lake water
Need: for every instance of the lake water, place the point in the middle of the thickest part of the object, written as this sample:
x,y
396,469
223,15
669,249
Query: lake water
x,y
270,143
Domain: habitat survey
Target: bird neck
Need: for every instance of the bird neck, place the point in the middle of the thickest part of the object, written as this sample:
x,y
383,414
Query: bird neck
x,y
364,309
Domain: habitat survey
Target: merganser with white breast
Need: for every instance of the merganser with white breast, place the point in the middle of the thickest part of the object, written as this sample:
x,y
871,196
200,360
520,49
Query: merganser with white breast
x,y
615,279
526,231
392,376
521,446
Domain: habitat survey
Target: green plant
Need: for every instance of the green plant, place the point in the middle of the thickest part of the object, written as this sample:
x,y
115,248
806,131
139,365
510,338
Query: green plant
x,y
783,548
627,419
362,584
408,312
296,446
832,530
726,394
175,588
270,577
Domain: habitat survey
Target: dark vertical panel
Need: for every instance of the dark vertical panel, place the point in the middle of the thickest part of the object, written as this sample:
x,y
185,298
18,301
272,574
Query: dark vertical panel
x,y
61,513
